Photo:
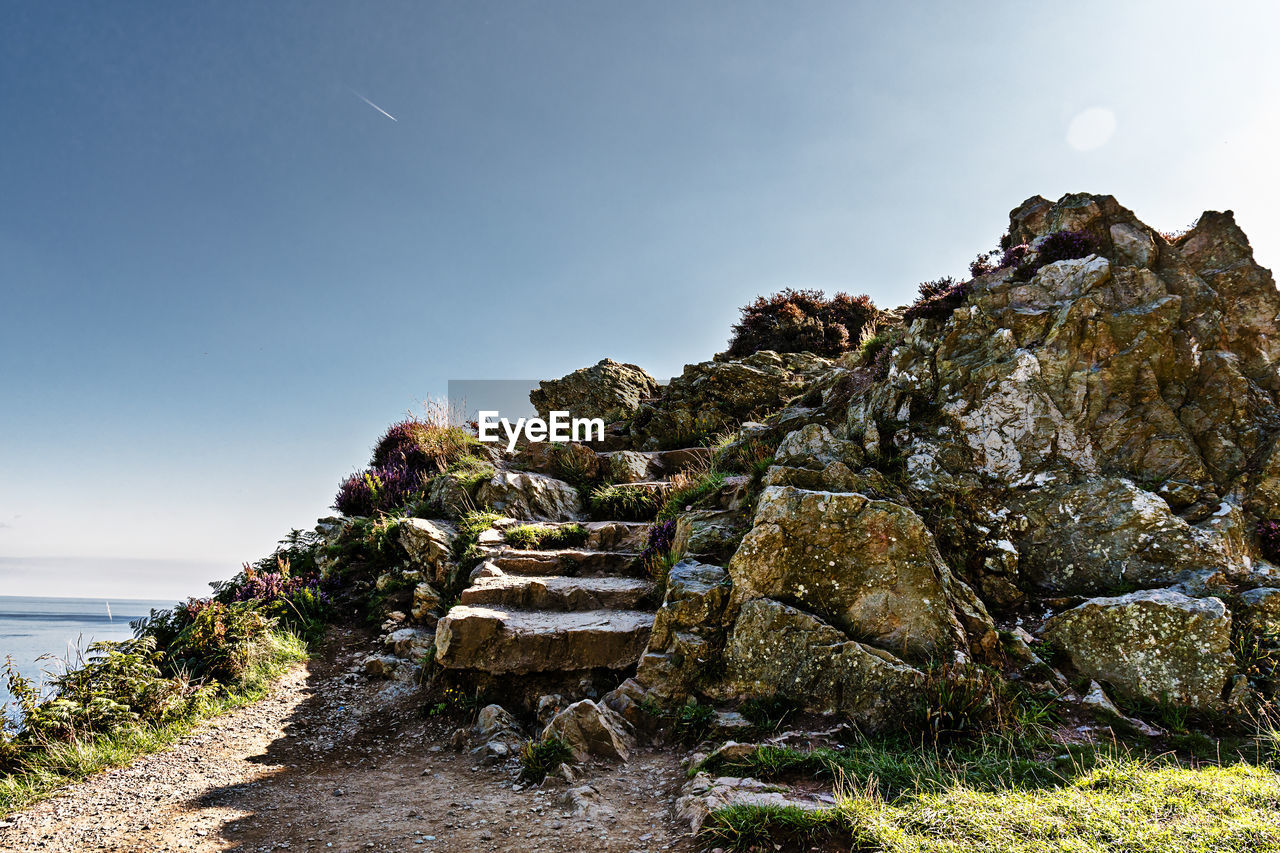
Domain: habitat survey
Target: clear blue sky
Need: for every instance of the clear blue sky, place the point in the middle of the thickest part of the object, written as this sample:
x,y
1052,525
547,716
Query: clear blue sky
x,y
224,272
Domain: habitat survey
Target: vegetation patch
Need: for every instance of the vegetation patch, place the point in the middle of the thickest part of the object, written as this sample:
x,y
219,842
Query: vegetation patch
x,y
688,489
1117,804
540,757
533,537
125,700
801,321
622,502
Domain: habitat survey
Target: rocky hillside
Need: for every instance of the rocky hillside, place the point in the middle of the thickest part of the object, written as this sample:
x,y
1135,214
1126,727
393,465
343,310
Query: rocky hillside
x,y
1058,478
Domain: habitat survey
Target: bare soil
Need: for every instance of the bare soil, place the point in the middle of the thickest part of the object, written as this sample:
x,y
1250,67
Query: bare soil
x,y
331,761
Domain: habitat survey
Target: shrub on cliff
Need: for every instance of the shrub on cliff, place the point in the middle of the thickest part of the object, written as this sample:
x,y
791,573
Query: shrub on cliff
x,y
801,321
937,300
380,489
422,445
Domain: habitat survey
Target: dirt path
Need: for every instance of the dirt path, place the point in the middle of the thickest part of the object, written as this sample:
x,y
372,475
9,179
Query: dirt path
x,y
329,761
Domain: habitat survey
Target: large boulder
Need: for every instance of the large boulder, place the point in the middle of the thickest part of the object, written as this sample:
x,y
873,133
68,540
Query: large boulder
x,y
710,534
530,497
869,567
774,648
1103,534
686,629
813,446
714,396
1155,645
1147,359
608,390
429,544
591,729
410,643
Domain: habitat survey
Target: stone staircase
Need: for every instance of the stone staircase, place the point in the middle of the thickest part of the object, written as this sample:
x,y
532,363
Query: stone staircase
x,y
562,611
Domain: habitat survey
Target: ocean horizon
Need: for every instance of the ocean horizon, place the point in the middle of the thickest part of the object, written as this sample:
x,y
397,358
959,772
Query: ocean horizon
x,y
40,634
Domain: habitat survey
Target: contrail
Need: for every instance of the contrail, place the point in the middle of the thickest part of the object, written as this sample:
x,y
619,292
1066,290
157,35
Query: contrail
x,y
375,106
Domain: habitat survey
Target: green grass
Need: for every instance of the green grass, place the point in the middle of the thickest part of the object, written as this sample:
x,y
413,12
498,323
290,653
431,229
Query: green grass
x,y
41,772
688,494
532,537
1121,804
538,758
624,503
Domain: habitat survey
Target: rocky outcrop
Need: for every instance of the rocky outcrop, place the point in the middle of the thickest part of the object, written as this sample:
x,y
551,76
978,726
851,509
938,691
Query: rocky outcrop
x,y
590,729
1107,533
429,545
713,396
1155,645
686,629
869,567
1141,360
608,390
774,648
531,497
710,534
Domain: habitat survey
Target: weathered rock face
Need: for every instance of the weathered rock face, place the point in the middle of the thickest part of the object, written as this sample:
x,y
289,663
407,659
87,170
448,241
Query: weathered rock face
x,y
410,643
868,567
531,497
606,390
1155,645
813,446
589,729
1103,534
716,395
710,534
774,648
1151,360
430,545
426,601
686,630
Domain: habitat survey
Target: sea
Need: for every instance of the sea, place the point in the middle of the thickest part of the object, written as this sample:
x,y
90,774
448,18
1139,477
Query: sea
x,y
41,634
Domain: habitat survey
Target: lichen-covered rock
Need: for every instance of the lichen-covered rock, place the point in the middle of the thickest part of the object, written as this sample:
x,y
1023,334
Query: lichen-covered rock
x,y
703,795
426,601
1147,360
626,466
1107,533
429,544
410,643
591,729
608,390
774,648
710,534
530,497
686,630
1154,645
712,396
1260,611
869,567
495,726
448,496
813,446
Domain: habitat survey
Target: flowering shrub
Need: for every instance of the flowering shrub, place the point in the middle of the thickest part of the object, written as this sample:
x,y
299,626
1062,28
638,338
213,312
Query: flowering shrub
x,y
661,536
421,445
222,641
1269,539
801,321
380,489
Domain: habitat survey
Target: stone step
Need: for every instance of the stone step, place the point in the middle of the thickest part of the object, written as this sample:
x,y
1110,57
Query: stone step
x,y
601,535
567,562
496,640
558,592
